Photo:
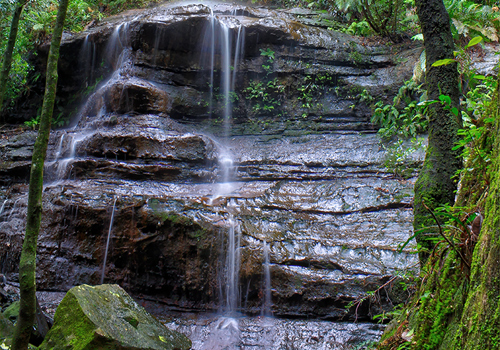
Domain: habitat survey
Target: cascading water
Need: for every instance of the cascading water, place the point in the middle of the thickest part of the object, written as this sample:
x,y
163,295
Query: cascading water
x,y
221,52
2,207
88,59
62,162
115,55
230,276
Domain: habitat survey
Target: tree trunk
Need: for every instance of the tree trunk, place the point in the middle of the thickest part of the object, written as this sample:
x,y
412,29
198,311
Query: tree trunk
x,y
27,265
435,185
7,58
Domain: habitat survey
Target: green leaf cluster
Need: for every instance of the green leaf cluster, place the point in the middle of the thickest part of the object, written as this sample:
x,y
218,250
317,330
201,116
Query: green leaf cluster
x,y
471,18
385,17
406,116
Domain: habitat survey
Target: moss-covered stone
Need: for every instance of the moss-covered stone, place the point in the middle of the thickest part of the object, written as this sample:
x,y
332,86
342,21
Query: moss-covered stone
x,y
441,303
106,317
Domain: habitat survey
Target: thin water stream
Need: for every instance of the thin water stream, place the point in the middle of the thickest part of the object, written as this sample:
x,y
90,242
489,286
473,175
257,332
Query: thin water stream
x,y
107,240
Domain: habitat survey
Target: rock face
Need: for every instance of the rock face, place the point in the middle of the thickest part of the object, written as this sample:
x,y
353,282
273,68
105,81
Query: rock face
x,y
106,317
228,143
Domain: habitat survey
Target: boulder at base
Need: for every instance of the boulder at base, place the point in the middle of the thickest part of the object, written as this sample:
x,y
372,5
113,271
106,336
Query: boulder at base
x,y
106,317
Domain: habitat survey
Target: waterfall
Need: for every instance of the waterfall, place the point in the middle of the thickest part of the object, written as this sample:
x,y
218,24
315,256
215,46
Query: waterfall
x,y
116,55
88,59
232,267
266,305
59,148
107,241
208,54
65,155
117,43
221,51
2,207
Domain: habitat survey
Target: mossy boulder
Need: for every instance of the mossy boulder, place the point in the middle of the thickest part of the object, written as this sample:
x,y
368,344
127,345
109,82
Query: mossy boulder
x,y
106,317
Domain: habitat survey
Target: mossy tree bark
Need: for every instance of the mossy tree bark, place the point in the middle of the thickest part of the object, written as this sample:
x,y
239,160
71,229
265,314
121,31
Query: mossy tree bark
x,y
27,265
7,58
435,185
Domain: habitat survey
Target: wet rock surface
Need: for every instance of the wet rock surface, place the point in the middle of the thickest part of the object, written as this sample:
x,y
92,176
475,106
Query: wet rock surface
x,y
180,165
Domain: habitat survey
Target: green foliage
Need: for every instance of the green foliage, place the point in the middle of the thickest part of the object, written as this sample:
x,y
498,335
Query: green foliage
x,y
385,17
405,117
359,28
265,94
355,57
468,77
436,312
401,282
269,53
33,122
478,95
470,19
306,92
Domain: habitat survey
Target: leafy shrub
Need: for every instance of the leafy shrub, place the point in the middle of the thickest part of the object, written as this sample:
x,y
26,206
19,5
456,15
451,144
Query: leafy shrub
x,y
470,19
406,116
385,17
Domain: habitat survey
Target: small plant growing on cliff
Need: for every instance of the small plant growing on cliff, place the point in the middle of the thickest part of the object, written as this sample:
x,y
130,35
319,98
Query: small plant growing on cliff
x,y
33,122
355,57
269,53
405,117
